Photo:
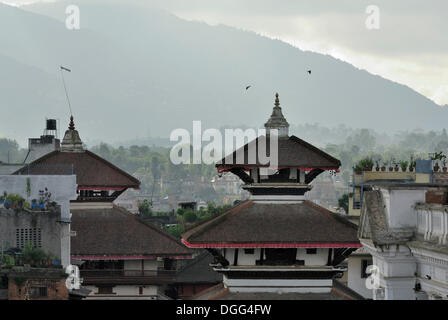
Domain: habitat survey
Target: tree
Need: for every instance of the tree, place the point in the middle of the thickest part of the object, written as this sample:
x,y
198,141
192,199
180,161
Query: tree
x,y
190,216
343,202
144,208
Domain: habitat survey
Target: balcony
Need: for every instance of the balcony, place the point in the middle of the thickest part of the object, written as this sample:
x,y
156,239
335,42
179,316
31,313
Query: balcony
x,y
124,276
432,223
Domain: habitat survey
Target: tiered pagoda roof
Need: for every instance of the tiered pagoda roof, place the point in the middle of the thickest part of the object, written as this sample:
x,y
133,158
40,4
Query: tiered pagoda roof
x,y
293,152
274,225
277,216
111,233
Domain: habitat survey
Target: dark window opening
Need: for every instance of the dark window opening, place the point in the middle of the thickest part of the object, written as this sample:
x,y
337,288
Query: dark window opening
x,y
140,290
169,264
105,290
103,265
39,292
281,256
364,265
300,262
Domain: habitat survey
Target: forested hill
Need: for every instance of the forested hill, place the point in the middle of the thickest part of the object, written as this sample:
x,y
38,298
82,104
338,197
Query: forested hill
x,y
140,72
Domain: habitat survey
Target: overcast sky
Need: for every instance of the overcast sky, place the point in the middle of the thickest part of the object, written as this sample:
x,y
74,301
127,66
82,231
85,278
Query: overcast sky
x,y
410,46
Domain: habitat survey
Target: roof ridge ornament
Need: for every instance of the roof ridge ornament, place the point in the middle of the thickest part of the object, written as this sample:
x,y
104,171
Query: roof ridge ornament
x,y
71,142
277,120
72,124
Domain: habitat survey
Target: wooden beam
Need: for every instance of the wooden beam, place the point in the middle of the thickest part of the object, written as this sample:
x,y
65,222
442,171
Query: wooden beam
x,y
242,175
235,257
312,174
218,257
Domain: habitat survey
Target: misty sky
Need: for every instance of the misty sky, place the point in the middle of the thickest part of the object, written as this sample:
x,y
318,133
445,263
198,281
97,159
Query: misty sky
x,y
411,46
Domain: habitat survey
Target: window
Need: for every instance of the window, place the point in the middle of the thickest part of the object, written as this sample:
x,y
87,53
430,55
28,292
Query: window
x,y
249,251
39,292
140,290
311,251
105,290
24,235
279,257
364,264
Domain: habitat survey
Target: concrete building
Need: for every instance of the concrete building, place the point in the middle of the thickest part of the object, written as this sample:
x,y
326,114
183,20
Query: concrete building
x,y
404,226
46,143
49,230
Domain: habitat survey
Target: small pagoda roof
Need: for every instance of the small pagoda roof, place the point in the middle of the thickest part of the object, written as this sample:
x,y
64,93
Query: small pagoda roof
x,y
293,152
114,233
91,170
274,225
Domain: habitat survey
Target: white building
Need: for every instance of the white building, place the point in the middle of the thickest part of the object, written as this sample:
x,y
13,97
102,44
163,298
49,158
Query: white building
x,y
404,227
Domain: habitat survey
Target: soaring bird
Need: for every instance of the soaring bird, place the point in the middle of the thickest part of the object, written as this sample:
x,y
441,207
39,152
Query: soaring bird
x,y
309,71
248,87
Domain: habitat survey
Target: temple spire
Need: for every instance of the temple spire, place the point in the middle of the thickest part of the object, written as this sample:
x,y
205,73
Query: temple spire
x,y
277,120
71,142
72,124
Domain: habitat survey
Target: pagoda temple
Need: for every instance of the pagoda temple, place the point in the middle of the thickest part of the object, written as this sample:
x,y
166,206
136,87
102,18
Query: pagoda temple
x,y
119,255
277,241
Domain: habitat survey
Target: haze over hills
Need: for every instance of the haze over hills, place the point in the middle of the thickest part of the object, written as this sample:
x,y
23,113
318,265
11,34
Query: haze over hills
x,y
140,71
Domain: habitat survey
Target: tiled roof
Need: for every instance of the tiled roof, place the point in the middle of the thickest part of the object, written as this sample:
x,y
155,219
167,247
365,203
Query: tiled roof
x,y
252,224
91,170
116,232
219,292
292,152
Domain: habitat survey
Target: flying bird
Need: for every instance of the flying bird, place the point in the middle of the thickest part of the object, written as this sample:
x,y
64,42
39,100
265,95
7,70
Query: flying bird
x,y
247,88
309,71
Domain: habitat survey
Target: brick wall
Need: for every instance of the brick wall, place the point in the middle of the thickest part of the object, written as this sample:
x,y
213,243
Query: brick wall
x,y
56,289
436,196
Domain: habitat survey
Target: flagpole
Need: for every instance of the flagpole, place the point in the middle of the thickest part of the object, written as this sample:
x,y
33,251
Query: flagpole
x,y
65,88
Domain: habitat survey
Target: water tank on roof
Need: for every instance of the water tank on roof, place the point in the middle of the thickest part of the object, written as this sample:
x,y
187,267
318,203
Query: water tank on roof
x,y
51,124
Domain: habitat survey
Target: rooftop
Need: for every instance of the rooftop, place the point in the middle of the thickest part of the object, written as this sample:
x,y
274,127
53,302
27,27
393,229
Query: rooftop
x,y
219,292
90,169
252,224
293,152
109,233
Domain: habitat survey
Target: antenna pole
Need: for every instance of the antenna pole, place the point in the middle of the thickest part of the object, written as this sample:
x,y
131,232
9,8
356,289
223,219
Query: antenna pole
x,y
65,88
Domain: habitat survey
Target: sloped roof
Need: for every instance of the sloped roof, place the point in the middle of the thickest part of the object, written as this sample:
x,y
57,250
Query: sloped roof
x,y
252,224
91,170
292,152
219,292
374,222
114,232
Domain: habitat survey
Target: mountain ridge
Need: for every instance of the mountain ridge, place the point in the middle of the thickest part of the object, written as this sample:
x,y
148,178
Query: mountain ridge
x,y
150,72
